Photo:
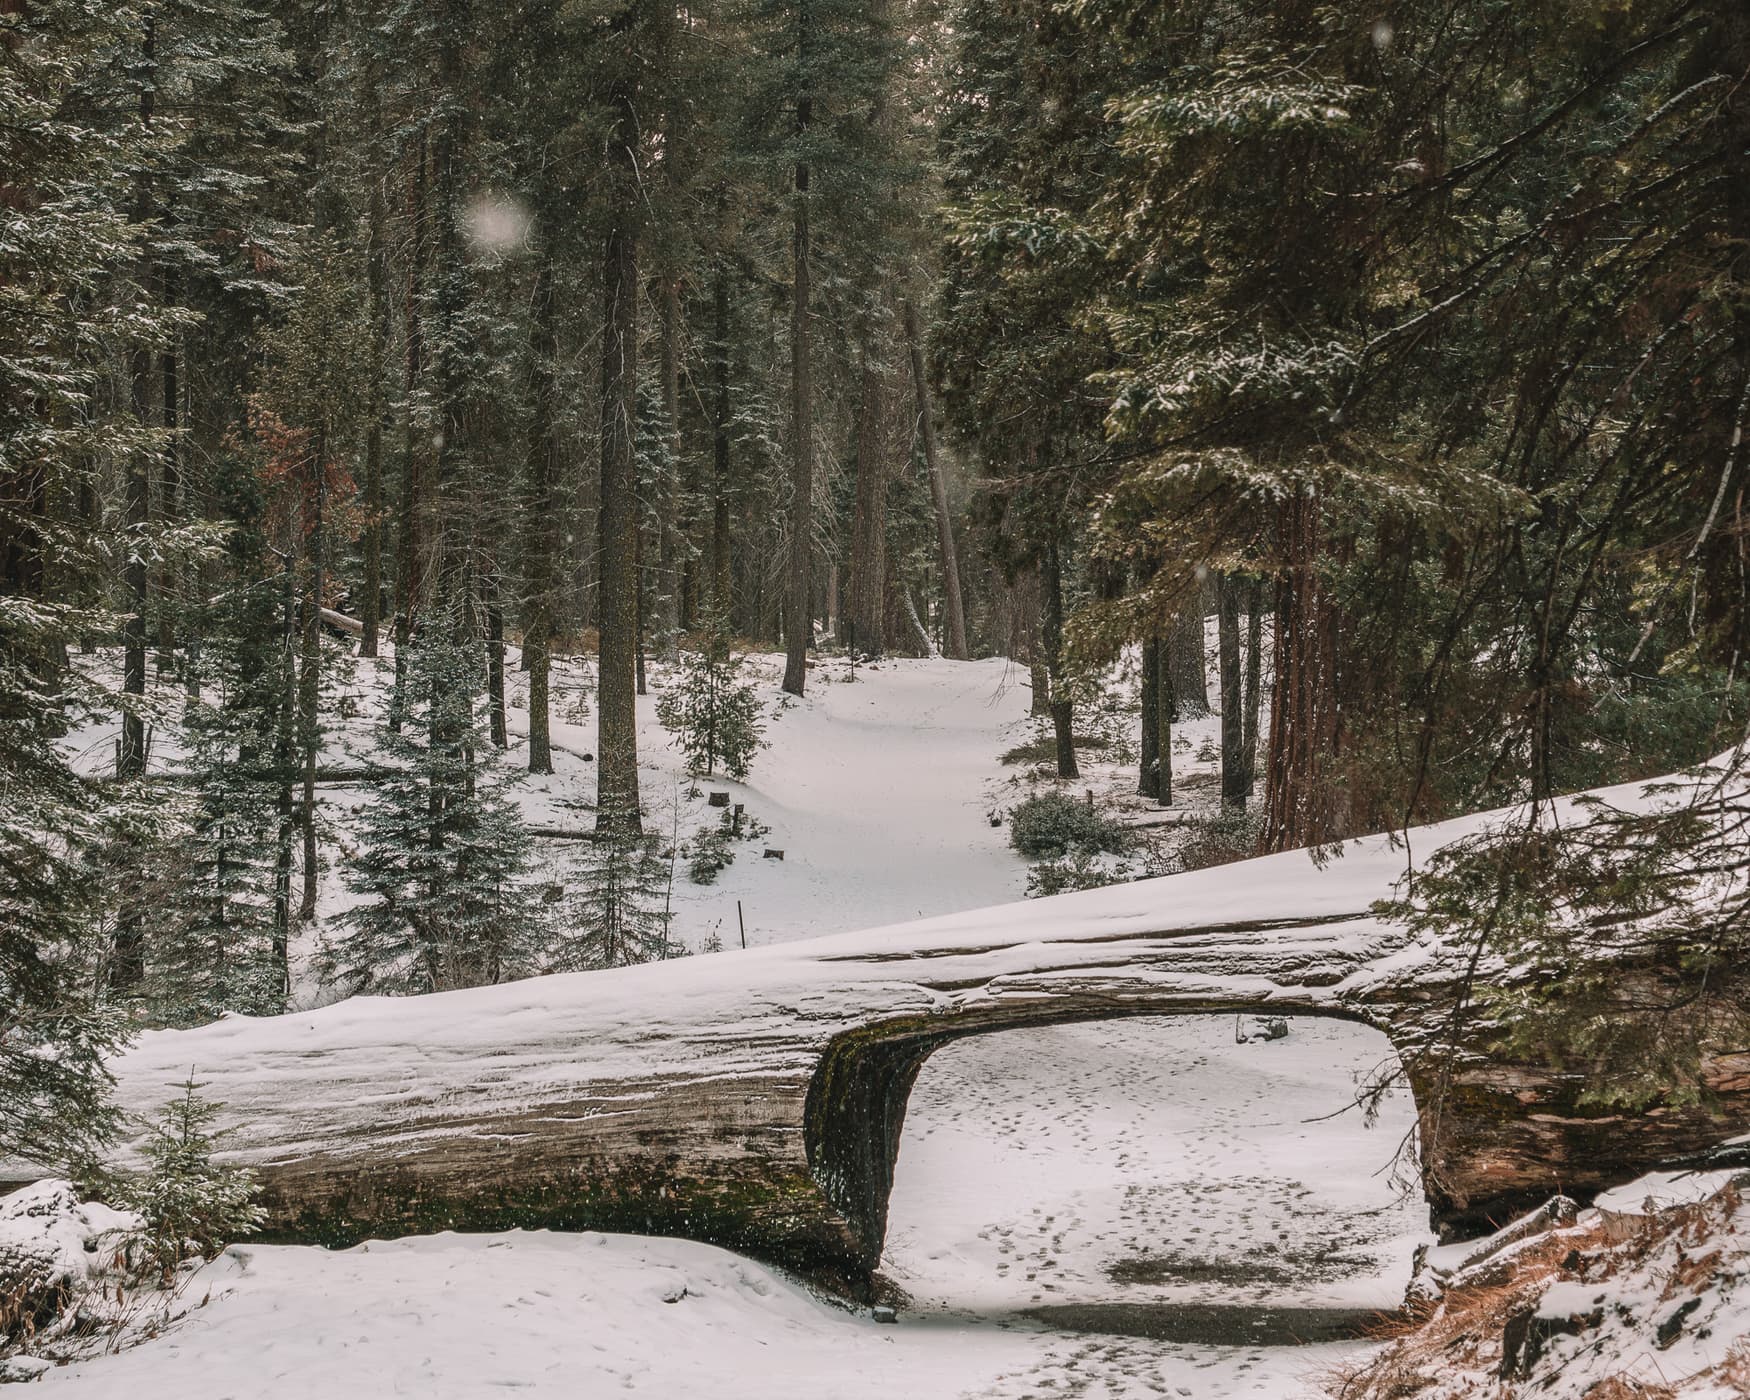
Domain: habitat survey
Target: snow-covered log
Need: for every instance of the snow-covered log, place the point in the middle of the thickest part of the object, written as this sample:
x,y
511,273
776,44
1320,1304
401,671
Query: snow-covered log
x,y
755,1098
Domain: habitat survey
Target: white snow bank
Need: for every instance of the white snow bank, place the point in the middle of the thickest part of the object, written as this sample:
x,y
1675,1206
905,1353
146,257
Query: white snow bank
x,y
559,1317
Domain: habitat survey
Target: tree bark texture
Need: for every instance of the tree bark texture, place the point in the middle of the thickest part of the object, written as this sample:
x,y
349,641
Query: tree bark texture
x,y
1300,809
1051,629
541,542
864,632
950,562
616,707
1148,780
799,594
1233,700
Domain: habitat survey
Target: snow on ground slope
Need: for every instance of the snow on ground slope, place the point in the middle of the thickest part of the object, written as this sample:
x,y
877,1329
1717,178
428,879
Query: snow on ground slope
x,y
456,1317
1645,1295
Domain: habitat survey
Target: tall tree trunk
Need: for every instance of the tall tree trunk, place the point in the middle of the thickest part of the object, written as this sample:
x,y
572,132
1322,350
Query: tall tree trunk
x,y
376,272
169,486
864,632
1062,711
616,709
720,562
950,562
1233,700
285,765
798,620
410,544
541,548
1147,779
131,755
1300,806
1190,671
493,606
1254,678
310,671
667,492
1166,705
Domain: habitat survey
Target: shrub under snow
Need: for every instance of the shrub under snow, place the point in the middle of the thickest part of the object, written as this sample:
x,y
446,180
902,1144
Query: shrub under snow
x,y
54,1248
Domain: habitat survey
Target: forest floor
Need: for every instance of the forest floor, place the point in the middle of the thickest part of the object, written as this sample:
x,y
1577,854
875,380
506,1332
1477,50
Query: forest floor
x,y
1134,1208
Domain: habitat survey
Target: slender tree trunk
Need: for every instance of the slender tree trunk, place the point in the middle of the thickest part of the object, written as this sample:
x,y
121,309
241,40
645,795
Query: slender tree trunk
x,y
376,271
169,487
1147,779
643,614
798,620
616,709
542,546
1233,700
720,484
131,755
950,562
667,492
1062,711
310,672
494,609
1166,703
864,632
285,751
1254,679
410,566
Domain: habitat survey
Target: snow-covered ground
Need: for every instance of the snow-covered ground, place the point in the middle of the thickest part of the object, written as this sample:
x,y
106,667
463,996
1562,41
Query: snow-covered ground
x,y
1119,1168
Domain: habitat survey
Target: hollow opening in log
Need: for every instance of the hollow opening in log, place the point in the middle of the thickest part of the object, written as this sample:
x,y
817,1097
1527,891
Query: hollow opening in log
x,y
1158,1173
857,1104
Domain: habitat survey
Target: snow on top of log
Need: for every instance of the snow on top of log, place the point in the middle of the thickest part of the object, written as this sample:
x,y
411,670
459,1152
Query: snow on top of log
x,y
1264,929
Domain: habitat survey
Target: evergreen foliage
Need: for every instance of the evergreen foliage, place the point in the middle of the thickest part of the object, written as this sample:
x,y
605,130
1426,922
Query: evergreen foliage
x,y
444,858
713,708
189,1205
619,905
217,940
1052,825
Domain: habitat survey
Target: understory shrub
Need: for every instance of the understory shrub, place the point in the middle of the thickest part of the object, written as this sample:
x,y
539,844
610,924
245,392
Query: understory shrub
x,y
1051,825
1079,870
189,1205
1223,837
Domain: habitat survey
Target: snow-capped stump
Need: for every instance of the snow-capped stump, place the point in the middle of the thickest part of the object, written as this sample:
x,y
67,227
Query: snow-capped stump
x,y
1561,1312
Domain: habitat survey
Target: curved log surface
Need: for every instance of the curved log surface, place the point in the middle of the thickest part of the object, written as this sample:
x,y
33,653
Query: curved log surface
x,y
755,1099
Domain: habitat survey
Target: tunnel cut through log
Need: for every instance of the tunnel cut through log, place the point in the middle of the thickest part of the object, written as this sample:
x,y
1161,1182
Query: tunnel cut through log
x,y
854,1117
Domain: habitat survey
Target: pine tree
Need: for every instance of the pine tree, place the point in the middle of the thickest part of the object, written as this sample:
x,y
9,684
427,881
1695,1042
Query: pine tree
x,y
189,1205
444,852
713,707
65,152
618,909
215,943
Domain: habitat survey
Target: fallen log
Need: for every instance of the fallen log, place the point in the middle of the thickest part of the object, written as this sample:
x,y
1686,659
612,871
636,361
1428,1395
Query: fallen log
x,y
756,1098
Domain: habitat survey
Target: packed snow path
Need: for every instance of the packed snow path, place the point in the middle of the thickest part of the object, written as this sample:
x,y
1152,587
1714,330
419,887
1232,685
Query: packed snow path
x,y
756,1098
